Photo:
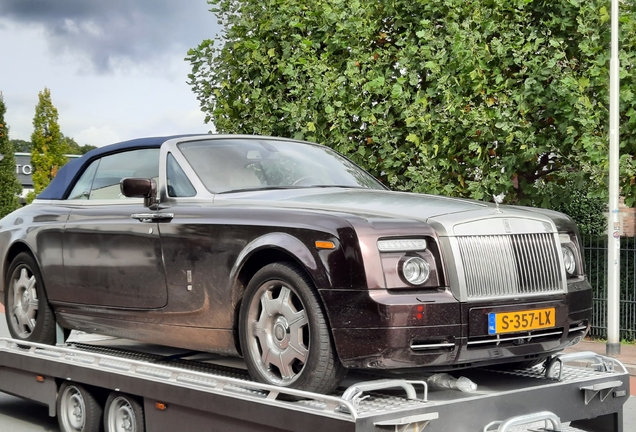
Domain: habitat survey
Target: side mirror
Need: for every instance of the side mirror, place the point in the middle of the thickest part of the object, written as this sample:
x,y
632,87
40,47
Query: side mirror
x,y
140,188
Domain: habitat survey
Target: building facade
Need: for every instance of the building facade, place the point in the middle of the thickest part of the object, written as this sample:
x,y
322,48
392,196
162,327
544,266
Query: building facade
x,y
24,169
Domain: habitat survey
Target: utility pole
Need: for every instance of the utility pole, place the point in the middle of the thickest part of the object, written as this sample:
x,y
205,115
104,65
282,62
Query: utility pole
x,y
613,346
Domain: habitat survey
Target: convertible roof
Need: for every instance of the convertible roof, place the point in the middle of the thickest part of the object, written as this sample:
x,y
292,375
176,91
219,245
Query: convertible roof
x,y
60,185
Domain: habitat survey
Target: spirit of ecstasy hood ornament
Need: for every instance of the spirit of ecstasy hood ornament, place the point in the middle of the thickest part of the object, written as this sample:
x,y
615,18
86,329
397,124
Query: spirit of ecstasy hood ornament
x,y
498,200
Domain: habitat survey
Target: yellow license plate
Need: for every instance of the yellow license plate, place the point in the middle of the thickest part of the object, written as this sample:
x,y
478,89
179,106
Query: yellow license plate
x,y
520,321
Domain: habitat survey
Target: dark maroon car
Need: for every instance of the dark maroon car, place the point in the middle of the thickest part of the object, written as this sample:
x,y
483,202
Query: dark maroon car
x,y
290,255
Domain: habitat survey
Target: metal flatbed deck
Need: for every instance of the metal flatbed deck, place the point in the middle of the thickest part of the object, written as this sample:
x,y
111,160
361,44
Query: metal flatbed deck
x,y
205,392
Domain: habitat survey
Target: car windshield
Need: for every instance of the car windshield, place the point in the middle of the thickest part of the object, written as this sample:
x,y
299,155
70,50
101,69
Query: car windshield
x,y
229,165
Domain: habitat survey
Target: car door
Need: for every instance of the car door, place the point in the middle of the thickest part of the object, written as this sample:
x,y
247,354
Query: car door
x,y
112,254
199,248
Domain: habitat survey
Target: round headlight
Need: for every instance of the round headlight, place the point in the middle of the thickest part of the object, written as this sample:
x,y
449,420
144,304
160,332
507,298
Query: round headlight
x,y
568,260
416,270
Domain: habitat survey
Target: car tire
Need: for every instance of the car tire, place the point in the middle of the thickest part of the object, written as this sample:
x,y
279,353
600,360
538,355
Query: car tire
x,y
284,335
28,313
123,413
78,409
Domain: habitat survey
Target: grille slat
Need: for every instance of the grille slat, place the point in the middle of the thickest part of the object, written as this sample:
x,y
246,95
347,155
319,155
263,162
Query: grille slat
x,y
524,263
507,265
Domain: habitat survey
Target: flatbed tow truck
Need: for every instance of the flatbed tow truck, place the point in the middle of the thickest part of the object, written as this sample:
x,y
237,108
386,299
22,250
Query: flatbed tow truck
x,y
136,387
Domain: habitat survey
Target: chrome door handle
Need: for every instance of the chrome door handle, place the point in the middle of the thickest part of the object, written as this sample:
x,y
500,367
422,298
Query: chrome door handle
x,y
149,217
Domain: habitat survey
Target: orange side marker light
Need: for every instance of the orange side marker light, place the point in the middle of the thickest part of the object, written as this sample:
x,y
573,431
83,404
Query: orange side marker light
x,y
325,244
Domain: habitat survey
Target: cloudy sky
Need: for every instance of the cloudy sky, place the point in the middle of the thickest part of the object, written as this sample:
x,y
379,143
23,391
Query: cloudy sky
x,y
115,68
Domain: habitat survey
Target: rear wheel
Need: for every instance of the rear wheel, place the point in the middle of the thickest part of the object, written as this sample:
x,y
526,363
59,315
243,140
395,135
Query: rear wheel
x,y
284,335
78,410
123,413
28,313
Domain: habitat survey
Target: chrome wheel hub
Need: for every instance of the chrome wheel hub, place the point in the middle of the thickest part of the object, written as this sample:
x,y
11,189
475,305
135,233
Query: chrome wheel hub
x,y
281,332
278,333
23,302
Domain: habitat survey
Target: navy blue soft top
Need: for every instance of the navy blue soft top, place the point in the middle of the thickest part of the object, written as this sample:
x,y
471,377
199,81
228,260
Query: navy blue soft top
x,y
60,186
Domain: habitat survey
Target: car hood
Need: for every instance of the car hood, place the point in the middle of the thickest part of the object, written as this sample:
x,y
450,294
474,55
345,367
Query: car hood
x,y
449,216
363,202
377,202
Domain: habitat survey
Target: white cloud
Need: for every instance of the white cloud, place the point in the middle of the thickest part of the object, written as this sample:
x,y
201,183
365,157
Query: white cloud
x,y
107,33
115,73
97,136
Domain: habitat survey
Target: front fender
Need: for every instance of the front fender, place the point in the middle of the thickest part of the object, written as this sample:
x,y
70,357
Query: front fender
x,y
280,241
339,268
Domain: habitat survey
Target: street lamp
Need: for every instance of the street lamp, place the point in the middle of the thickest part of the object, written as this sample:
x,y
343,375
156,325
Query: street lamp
x,y
613,346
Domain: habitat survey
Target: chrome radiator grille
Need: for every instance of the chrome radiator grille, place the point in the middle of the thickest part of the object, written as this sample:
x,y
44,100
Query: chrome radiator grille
x,y
506,265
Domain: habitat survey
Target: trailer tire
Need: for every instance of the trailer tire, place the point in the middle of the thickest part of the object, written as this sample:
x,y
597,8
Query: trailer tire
x,y
284,334
78,410
28,313
123,413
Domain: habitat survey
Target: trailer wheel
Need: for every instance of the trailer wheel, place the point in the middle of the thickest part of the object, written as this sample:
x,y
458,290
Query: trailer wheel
x,y
28,313
123,413
78,410
285,338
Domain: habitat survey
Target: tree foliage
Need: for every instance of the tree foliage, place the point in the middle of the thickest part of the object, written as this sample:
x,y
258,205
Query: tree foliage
x,y
71,147
459,97
47,152
10,186
587,211
21,146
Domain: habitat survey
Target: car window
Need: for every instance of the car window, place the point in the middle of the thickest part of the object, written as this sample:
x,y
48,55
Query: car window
x,y
178,183
101,179
82,188
228,165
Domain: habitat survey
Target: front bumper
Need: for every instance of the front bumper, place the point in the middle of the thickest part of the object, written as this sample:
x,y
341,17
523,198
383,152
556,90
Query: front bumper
x,y
382,330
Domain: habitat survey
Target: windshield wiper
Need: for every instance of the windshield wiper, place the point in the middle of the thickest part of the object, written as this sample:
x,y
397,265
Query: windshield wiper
x,y
265,188
259,189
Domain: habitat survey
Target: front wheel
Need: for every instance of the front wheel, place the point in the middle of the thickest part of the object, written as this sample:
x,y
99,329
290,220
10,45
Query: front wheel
x,y
284,335
28,313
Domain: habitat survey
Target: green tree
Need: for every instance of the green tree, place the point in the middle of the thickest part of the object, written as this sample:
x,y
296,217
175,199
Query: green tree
x,y
70,146
459,97
47,153
10,186
21,146
73,148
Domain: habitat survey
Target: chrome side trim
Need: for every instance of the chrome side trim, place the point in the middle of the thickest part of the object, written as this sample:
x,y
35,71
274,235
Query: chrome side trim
x,y
508,339
152,216
416,347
